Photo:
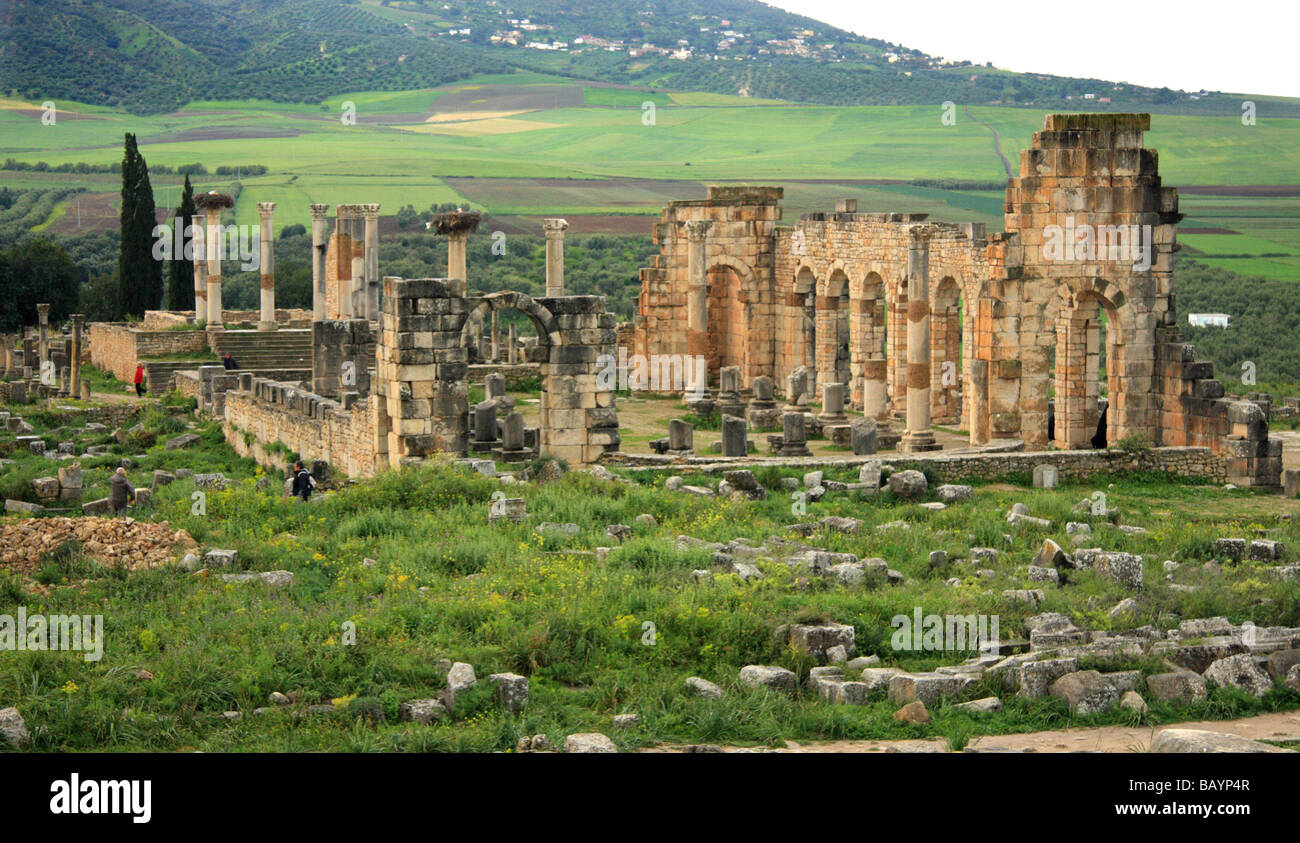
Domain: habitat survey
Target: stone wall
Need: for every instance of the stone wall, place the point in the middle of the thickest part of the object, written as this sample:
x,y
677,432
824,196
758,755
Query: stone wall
x,y
1193,462
157,320
887,303
515,375
422,370
260,412
117,347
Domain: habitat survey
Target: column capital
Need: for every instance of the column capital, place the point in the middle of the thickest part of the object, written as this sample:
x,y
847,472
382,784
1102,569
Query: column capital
x,y
555,226
920,234
265,208
43,310
345,212
697,230
371,210
319,210
77,318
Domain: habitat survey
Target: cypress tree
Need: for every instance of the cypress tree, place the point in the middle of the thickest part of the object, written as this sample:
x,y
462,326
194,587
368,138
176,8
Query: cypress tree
x,y
139,275
180,278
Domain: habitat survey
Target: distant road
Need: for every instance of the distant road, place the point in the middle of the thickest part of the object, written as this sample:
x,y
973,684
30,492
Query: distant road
x,y
997,142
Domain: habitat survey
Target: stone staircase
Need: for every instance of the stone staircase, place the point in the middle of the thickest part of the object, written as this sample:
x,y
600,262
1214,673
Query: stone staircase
x,y
288,348
158,373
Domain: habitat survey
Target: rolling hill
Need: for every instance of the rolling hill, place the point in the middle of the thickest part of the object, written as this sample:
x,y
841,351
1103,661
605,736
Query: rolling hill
x,y
152,56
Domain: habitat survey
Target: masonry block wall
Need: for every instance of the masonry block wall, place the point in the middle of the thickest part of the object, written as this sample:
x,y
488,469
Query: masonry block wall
x,y
421,386
115,347
340,358
738,254
261,412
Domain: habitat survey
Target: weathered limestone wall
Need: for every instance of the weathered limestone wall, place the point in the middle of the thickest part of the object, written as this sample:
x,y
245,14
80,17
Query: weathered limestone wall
x,y
1194,462
115,347
1082,275
261,412
738,254
157,320
421,374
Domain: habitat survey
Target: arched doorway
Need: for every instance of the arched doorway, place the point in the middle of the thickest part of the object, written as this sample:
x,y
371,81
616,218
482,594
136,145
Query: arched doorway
x,y
1087,366
803,308
519,308
867,330
896,343
947,384
832,331
727,328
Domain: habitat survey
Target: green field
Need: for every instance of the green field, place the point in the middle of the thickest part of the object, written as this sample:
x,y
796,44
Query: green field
x,y
500,147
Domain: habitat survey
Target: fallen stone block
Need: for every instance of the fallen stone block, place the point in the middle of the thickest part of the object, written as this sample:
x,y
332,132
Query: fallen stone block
x,y
767,676
1200,741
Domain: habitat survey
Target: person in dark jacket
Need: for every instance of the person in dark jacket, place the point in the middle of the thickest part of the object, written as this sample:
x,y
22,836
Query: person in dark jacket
x,y
120,491
139,380
229,362
303,482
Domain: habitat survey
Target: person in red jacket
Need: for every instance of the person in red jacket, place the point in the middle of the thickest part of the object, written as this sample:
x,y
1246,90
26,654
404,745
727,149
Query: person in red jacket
x,y
139,380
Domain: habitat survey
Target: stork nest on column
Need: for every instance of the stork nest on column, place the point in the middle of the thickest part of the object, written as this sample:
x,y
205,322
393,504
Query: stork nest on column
x,y
212,199
456,222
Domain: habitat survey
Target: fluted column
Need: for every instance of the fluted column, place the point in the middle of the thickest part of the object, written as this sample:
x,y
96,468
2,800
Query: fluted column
x,y
919,435
267,238
554,229
318,223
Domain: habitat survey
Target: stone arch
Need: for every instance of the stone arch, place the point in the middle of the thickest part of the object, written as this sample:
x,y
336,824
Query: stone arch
x,y
801,321
729,284
832,330
541,318
896,342
1090,343
867,331
947,365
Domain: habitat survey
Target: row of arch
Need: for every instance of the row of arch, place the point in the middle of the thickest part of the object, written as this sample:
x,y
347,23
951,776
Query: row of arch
x,y
854,331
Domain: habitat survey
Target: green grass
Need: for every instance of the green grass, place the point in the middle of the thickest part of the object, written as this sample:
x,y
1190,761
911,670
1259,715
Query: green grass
x,y
696,138
447,584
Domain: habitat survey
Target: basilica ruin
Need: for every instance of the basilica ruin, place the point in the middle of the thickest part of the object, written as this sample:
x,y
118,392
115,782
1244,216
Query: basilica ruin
x,y
911,323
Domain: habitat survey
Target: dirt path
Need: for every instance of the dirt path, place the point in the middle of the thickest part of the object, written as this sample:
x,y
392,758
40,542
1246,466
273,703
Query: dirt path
x,y
1280,726
997,141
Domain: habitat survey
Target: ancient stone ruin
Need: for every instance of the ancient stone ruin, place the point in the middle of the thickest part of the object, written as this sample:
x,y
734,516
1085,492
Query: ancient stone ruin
x,y
930,322
908,322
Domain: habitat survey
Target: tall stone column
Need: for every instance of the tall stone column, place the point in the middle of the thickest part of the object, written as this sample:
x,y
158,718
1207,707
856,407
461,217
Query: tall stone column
x,y
75,361
372,260
198,246
358,263
211,203
919,436
554,229
43,346
267,238
697,302
343,260
456,270
318,247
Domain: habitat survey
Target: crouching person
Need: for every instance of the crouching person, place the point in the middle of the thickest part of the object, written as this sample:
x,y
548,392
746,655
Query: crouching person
x,y
303,482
